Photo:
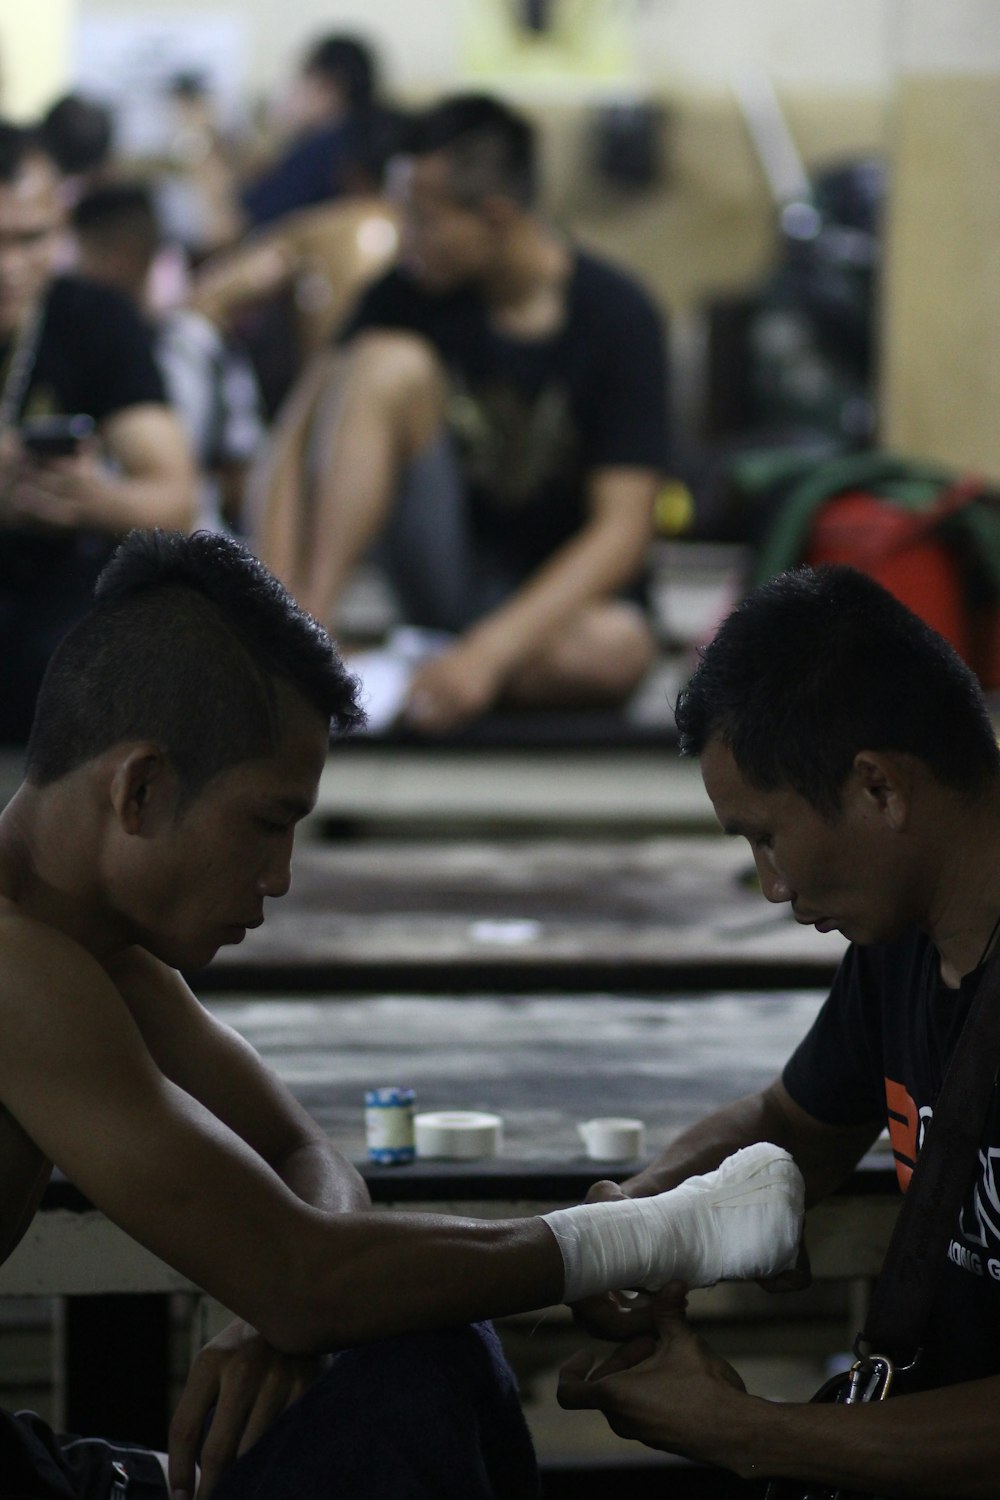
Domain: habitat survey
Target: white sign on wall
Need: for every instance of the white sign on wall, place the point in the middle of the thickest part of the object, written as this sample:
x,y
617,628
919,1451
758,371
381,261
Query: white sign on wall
x,y
131,63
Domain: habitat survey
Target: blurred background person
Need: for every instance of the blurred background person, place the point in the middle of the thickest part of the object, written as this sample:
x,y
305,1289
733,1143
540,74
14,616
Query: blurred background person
x,y
78,134
336,125
209,382
498,424
68,349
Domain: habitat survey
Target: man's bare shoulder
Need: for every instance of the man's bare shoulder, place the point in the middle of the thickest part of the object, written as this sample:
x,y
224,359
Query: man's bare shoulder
x,y
155,994
36,953
60,1013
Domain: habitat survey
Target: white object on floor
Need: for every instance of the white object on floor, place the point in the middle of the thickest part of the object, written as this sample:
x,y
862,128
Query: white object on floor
x,y
386,671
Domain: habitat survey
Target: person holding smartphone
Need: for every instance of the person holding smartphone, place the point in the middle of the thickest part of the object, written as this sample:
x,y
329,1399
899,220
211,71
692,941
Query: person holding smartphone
x,y
68,350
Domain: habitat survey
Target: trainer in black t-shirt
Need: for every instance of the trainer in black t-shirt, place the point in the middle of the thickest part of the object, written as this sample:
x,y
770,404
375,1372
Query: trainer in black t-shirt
x,y
878,1050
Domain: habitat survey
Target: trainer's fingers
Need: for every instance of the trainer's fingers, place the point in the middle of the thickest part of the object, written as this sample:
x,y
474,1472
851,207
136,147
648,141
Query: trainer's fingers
x,y
604,1191
630,1354
612,1315
670,1302
795,1279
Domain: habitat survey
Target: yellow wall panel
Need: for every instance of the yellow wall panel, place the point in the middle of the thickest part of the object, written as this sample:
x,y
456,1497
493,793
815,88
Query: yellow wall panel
x,y
941,361
35,54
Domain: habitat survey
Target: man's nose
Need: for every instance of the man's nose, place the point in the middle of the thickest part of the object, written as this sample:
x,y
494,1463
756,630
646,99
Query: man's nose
x,y
276,878
773,885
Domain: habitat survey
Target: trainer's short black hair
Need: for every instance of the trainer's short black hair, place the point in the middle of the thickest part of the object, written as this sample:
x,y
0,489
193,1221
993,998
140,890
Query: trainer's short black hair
x,y
185,646
819,664
490,148
349,63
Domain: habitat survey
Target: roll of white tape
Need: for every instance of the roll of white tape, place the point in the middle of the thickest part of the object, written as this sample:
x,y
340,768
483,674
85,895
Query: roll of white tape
x,y
458,1135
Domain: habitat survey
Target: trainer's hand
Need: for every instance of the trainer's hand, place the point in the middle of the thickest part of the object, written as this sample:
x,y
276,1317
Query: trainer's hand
x,y
668,1391
796,1279
249,1384
613,1315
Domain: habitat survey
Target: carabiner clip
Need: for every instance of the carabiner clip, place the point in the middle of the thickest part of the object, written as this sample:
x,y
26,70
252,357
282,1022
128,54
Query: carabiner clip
x,y
870,1379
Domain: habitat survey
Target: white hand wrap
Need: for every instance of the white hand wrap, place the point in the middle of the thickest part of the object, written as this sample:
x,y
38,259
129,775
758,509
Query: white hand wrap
x,y
739,1222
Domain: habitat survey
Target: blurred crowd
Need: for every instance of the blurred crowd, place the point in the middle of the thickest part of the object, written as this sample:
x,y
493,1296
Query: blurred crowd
x,y
362,340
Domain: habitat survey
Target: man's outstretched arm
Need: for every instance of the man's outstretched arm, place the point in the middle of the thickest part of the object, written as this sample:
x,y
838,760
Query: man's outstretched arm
x,y
87,1090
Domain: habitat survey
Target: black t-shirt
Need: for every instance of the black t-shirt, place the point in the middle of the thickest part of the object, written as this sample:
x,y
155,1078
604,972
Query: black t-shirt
x,y
95,354
94,357
878,1050
532,418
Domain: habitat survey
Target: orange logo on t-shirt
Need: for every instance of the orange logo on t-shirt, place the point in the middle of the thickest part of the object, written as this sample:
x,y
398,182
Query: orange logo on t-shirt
x,y
904,1122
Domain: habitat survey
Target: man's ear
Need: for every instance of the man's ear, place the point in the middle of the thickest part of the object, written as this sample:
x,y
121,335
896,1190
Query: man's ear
x,y
138,782
886,782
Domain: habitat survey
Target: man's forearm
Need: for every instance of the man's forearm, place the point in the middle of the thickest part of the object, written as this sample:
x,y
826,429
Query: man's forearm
x,y
118,504
680,1397
234,277
591,566
320,1176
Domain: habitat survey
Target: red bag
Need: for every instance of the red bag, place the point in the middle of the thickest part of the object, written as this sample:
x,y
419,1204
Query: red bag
x,y
904,551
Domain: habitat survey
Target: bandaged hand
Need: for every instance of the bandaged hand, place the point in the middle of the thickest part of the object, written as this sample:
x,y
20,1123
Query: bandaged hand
x,y
740,1222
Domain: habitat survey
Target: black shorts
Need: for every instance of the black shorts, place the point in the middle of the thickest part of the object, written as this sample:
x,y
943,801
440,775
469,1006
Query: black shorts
x,y
38,1464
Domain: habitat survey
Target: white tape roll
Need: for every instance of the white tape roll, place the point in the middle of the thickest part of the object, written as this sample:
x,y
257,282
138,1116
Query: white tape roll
x,y
461,1135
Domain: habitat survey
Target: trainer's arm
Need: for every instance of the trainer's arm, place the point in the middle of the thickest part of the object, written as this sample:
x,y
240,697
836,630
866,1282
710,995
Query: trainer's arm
x,y
675,1394
259,268
825,1154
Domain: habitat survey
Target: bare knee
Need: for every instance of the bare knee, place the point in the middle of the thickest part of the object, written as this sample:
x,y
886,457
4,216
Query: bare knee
x,y
597,660
403,375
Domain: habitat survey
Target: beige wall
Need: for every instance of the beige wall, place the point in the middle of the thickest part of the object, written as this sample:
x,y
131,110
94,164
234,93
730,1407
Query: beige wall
x,y
838,43
941,343
35,49
710,228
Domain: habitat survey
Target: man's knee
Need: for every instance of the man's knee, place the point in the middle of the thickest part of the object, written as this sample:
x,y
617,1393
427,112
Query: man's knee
x,y
622,649
434,1416
397,367
598,659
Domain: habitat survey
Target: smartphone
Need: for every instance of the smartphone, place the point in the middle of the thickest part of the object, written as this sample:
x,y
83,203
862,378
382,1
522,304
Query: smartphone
x,y
55,437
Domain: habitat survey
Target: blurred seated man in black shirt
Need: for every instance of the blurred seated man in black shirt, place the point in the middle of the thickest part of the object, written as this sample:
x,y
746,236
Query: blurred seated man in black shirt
x,y
497,422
